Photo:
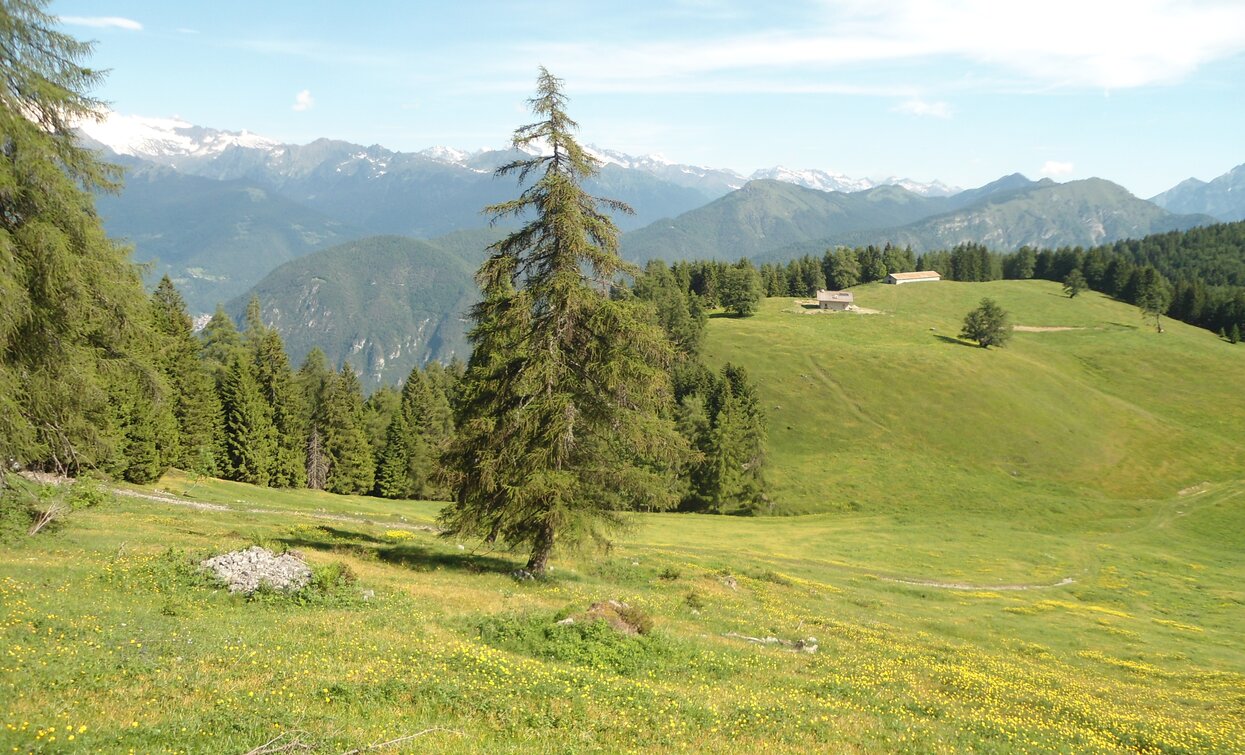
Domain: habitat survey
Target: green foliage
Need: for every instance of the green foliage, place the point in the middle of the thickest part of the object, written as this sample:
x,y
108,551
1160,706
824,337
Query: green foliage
x,y
741,289
561,417
592,643
277,387
1154,295
1074,283
250,440
721,418
195,403
408,466
678,310
351,467
988,325
73,325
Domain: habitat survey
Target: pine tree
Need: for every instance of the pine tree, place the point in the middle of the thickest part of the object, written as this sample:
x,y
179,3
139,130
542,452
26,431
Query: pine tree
x,y
276,385
416,437
741,289
250,440
317,461
351,468
988,325
1153,296
74,326
196,405
312,381
221,343
843,268
1074,283
562,417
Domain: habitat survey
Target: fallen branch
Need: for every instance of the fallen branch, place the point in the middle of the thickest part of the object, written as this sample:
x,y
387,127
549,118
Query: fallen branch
x,y
270,747
381,745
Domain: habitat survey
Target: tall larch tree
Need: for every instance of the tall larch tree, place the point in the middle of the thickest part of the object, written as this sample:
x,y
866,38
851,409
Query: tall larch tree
x,y
564,416
74,325
276,384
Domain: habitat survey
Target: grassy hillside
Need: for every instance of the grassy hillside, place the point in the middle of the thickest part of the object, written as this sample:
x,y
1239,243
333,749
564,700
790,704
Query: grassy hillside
x,y
1037,549
890,412
110,637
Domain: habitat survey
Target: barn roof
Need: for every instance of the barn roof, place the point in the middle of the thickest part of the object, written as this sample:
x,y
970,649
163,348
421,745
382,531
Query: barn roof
x,y
921,275
824,295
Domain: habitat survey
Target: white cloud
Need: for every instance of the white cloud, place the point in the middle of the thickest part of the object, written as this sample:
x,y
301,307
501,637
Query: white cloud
x,y
921,107
303,101
1056,168
103,22
1096,44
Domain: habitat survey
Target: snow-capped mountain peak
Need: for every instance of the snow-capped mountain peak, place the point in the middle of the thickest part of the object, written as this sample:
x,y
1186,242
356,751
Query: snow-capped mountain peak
x,y
814,179
166,138
447,155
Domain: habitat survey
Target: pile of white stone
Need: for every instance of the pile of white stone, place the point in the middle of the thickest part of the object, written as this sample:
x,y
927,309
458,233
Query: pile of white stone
x,y
244,571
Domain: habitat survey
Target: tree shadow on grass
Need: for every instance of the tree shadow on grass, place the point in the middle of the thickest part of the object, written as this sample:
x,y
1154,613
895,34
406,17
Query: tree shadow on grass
x,y
956,341
421,557
411,555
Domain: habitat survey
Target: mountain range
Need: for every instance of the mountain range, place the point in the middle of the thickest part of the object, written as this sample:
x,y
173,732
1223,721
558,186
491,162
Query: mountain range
x,y
232,214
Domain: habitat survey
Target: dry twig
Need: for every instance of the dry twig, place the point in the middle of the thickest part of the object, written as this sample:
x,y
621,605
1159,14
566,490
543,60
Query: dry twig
x,y
400,740
270,747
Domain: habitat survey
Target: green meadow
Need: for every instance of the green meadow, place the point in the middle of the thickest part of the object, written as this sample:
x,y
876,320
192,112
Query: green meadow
x,y
1036,548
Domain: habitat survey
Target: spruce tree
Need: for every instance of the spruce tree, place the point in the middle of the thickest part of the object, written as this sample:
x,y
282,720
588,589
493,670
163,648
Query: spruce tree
x,y
563,416
409,465
74,326
250,440
221,343
196,405
1153,296
276,384
351,468
312,381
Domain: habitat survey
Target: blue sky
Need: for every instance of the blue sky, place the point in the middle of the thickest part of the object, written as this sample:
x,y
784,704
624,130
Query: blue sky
x,y
1143,92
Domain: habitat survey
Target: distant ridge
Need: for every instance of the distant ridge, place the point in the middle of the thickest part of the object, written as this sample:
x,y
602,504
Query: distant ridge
x,y
1223,197
384,303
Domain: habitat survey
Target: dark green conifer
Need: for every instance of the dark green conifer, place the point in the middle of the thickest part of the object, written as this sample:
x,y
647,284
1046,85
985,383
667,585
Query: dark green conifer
x,y
351,468
250,440
196,405
276,385
562,419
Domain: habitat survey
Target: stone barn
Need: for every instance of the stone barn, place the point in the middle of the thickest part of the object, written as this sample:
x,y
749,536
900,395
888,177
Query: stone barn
x,y
837,300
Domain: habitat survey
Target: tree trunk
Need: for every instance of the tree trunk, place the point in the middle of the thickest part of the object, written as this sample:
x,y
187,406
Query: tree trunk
x,y
541,550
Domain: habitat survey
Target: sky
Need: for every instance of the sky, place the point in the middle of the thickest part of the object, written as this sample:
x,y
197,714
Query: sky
x,y
1145,93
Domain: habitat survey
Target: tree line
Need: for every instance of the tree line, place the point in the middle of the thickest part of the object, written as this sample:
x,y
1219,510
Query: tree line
x,y
1195,276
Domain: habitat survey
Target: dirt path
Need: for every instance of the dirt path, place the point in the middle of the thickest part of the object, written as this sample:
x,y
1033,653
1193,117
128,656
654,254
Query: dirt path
x,y
1042,328
201,506
983,588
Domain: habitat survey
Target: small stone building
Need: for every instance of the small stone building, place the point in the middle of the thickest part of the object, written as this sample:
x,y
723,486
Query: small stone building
x,y
925,276
838,300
